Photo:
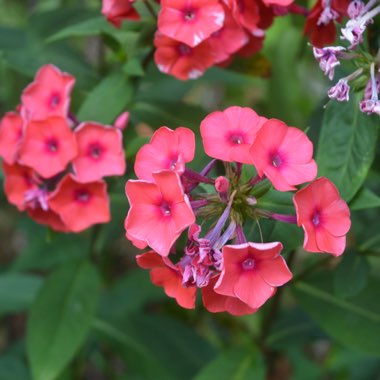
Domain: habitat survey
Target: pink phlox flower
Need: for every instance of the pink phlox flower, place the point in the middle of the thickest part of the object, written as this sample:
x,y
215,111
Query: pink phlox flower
x,y
324,217
122,121
284,154
11,132
252,272
229,134
341,91
164,273
48,95
355,9
167,150
371,104
159,211
100,152
116,11
190,21
245,12
48,146
328,59
48,218
80,205
181,60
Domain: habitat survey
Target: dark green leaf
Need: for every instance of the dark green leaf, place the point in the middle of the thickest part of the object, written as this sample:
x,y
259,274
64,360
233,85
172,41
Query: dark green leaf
x,y
17,291
13,368
365,199
351,276
347,146
107,100
60,318
236,364
355,322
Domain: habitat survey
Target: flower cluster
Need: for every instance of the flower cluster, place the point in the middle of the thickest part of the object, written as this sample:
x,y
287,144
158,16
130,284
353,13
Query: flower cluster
x,y
193,35
360,16
234,275
54,165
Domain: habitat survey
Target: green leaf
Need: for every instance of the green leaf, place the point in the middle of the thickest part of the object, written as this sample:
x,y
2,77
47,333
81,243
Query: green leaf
x,y
60,318
107,100
365,199
277,201
355,322
346,146
17,291
13,368
351,276
236,364
91,27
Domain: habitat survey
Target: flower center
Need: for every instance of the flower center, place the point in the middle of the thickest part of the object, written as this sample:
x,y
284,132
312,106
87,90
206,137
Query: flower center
x,y
184,49
165,208
55,99
95,150
52,145
82,195
248,264
276,160
237,138
316,219
189,14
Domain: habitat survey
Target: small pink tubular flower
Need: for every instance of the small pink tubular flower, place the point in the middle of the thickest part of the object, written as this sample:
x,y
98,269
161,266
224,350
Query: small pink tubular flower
x,y
167,150
284,154
229,134
164,273
100,152
48,95
190,21
180,60
159,211
324,217
48,146
251,272
11,126
116,11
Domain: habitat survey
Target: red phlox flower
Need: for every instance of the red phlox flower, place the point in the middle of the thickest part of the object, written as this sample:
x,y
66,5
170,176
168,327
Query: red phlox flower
x,y
48,95
167,150
80,205
252,271
48,218
11,130
18,180
159,211
116,11
320,24
122,121
227,40
190,21
284,154
100,152
253,46
282,3
229,134
217,303
180,60
324,217
48,146
164,273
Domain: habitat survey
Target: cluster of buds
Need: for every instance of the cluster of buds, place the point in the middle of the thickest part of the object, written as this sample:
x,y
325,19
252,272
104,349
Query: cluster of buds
x,y
53,165
234,275
360,16
194,35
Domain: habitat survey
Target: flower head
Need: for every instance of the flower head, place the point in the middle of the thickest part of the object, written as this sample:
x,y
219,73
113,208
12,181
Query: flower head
x,y
100,152
251,272
341,91
117,11
324,217
229,134
284,154
159,211
190,21
167,150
